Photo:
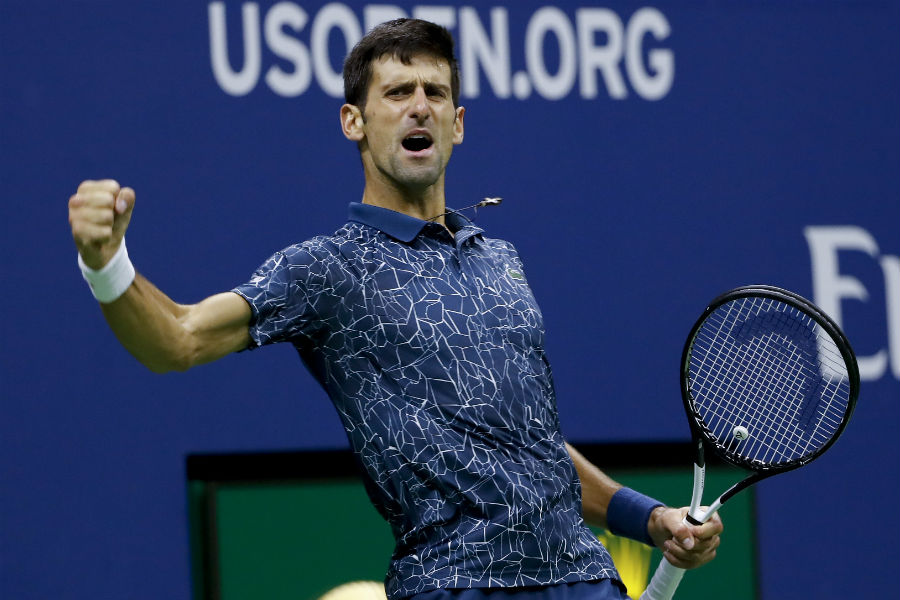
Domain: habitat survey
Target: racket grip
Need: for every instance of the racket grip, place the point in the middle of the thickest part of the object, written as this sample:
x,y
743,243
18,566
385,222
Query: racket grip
x,y
664,582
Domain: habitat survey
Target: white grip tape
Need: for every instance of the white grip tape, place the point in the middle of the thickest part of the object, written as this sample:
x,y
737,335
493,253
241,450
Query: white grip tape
x,y
111,281
664,582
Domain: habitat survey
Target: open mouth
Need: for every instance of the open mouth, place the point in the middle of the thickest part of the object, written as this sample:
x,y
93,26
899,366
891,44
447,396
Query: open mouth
x,y
417,143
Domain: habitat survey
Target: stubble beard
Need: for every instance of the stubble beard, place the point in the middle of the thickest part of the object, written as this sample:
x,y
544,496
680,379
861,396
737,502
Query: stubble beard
x,y
414,178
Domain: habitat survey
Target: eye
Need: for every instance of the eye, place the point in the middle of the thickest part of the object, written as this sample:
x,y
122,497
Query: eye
x,y
435,92
400,91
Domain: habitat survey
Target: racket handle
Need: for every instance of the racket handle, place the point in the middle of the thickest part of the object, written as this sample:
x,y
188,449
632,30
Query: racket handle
x,y
664,582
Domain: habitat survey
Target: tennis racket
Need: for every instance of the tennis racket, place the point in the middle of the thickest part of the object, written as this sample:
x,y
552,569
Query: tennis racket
x,y
769,382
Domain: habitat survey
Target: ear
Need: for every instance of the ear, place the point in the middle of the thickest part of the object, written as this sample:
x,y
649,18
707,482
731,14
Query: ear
x,y
352,122
458,128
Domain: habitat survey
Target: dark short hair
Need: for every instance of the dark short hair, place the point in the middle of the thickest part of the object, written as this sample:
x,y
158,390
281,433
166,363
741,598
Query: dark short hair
x,y
402,39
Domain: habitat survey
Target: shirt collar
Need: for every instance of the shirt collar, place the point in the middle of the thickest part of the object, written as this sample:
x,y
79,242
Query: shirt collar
x,y
400,226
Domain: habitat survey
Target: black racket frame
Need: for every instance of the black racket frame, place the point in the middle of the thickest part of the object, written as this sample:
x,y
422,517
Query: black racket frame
x,y
702,436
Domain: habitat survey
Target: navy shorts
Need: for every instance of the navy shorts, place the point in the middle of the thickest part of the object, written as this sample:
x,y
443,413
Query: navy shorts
x,y
605,589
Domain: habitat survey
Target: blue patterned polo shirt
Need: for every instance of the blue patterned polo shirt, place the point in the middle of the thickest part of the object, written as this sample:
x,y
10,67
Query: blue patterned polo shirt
x,y
431,347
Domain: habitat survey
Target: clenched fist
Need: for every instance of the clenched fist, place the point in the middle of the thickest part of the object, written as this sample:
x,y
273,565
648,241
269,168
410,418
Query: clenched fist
x,y
99,213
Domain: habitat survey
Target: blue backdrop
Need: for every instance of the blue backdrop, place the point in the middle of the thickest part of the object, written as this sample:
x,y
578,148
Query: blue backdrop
x,y
649,157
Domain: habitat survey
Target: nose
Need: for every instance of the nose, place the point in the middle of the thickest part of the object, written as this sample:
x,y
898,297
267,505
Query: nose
x,y
419,108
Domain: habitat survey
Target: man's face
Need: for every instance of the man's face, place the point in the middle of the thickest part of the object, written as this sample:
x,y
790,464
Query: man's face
x,y
409,123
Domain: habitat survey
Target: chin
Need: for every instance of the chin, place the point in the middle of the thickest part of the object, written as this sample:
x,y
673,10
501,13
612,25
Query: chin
x,y
418,179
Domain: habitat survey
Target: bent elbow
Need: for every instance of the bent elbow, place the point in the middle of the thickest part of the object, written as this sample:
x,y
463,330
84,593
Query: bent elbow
x,y
160,367
176,362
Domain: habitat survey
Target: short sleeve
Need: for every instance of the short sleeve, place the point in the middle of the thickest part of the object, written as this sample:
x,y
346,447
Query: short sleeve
x,y
279,296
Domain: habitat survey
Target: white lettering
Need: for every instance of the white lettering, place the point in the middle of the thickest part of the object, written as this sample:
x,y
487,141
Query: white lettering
x,y
289,48
553,20
596,41
242,82
606,57
332,16
890,266
662,62
476,49
830,287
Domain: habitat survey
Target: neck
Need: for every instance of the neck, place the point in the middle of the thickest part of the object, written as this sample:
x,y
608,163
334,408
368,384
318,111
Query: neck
x,y
419,203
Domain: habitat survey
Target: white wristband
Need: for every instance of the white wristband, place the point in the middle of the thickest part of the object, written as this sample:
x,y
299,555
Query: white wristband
x,y
111,281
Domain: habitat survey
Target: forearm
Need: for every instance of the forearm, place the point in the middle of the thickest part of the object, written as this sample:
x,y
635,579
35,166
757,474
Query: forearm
x,y
597,489
166,336
148,324
641,518
608,504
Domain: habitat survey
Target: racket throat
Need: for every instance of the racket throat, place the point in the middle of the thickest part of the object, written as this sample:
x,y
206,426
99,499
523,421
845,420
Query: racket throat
x,y
699,480
693,515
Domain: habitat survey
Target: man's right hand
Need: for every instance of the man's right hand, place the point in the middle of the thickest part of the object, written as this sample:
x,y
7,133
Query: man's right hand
x,y
99,213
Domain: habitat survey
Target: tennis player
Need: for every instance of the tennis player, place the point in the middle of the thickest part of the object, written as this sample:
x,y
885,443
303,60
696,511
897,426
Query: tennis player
x,y
428,340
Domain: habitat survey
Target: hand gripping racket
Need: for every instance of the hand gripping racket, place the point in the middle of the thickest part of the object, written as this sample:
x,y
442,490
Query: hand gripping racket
x,y
769,382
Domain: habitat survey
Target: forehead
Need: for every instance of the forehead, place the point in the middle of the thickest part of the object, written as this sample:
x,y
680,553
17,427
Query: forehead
x,y
421,67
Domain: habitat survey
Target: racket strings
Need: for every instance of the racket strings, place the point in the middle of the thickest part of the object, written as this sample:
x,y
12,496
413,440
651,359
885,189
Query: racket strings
x,y
768,381
743,404
776,417
783,368
735,391
766,367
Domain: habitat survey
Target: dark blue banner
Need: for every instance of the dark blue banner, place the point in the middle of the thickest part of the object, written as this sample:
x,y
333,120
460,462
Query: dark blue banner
x,y
650,157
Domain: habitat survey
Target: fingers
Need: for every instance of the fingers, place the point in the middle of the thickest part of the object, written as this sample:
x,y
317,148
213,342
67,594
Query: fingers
x,y
124,200
94,197
684,545
689,546
99,214
110,186
700,553
91,216
669,524
711,528
124,205
680,531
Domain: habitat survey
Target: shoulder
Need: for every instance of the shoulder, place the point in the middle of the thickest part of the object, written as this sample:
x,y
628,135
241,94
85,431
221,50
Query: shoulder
x,y
321,265
499,245
502,249
325,261
320,250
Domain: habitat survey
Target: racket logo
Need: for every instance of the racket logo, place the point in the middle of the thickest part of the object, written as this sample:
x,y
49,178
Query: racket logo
x,y
786,338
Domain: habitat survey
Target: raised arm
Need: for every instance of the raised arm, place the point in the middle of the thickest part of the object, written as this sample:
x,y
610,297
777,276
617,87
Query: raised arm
x,y
160,333
683,545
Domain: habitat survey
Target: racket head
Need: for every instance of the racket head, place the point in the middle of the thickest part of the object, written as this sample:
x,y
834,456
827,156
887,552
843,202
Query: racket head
x,y
768,380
